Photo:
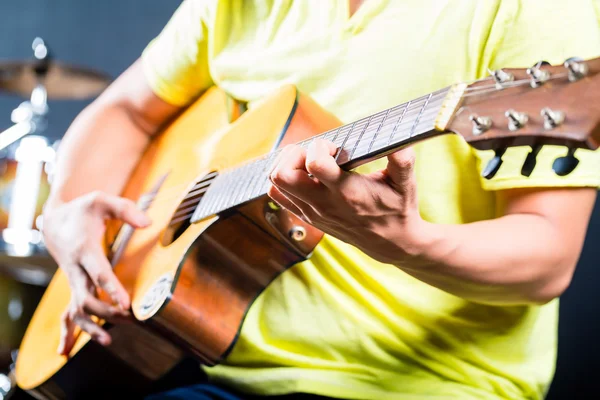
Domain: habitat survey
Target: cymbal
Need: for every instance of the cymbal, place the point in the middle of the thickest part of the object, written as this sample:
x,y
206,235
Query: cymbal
x,y
35,268
62,81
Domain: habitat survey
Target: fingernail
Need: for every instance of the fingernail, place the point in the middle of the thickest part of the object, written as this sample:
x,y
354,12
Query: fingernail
x,y
103,340
144,220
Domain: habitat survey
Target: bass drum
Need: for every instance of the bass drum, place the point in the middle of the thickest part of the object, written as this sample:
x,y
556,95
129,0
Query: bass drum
x,y
25,178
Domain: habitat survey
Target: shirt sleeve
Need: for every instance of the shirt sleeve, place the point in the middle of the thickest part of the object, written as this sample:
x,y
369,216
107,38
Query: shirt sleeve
x,y
176,61
553,31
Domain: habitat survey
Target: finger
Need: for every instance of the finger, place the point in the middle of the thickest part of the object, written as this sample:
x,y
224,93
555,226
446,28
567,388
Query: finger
x,y
303,209
93,329
278,158
290,174
67,334
94,306
100,271
283,201
321,164
400,169
120,208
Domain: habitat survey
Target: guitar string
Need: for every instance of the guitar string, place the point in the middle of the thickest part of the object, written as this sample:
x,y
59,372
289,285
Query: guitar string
x,y
180,210
201,184
360,147
200,189
177,219
196,192
165,194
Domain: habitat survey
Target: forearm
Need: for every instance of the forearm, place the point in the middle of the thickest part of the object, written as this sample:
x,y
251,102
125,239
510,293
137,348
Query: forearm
x,y
515,259
98,152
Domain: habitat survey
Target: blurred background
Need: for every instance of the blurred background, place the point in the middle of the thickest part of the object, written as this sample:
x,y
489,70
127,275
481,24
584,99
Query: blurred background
x,y
95,41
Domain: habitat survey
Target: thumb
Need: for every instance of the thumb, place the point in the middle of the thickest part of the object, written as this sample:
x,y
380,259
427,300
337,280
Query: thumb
x,y
401,168
125,210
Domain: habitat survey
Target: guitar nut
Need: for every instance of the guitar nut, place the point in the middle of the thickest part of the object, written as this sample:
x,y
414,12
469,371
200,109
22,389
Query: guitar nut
x,y
297,233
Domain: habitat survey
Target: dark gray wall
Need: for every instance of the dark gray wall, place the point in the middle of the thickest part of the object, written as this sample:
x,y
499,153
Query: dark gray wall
x,y
109,34
106,35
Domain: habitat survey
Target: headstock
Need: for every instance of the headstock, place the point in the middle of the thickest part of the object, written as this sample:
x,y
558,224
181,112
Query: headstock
x,y
544,104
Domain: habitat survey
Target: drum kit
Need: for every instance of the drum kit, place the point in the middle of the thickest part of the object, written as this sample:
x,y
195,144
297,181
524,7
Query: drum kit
x,y
27,160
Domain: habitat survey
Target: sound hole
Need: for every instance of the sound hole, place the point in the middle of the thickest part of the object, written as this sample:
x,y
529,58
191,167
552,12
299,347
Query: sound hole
x,y
180,220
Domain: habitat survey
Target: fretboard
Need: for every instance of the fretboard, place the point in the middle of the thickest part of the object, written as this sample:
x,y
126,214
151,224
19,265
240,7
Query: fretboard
x,y
358,142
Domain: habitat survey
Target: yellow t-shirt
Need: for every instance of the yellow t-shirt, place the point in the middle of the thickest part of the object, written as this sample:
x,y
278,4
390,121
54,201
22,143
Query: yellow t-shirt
x,y
342,324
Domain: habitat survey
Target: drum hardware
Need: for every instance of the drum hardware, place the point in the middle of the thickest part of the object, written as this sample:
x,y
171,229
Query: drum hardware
x,y
62,81
24,188
41,79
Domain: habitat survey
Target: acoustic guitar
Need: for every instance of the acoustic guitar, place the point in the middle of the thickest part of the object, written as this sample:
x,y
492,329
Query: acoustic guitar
x,y
217,240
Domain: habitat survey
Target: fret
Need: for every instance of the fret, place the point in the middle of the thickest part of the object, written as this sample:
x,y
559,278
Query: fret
x,y
360,137
382,132
223,189
245,180
345,138
408,119
400,119
351,139
258,182
213,194
374,126
337,132
406,122
378,129
239,183
257,170
419,116
266,181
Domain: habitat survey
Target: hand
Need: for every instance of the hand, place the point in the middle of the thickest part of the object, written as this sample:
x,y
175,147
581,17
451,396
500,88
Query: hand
x,y
73,234
377,212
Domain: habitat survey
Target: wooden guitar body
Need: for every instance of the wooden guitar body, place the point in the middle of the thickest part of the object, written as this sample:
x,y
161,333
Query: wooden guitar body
x,y
191,285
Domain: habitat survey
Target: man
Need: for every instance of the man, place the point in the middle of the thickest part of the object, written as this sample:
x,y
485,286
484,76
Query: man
x,y
431,282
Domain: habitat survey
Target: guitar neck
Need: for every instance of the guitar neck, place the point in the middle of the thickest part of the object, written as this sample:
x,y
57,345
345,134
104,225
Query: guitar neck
x,y
359,142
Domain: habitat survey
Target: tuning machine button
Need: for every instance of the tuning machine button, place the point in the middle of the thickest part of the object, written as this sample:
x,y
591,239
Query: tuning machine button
x,y
480,124
552,118
565,165
538,75
577,68
501,77
530,160
516,120
494,164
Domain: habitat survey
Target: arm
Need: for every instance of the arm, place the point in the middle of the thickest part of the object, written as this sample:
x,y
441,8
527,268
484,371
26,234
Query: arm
x,y
525,256
96,156
528,255
117,126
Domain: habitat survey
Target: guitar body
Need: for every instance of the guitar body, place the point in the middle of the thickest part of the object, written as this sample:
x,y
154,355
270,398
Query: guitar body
x,y
191,285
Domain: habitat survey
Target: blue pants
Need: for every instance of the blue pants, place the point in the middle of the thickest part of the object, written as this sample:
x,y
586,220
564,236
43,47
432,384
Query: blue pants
x,y
207,391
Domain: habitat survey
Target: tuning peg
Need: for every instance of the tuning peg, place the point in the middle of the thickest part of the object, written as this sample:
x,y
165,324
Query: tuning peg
x,y
538,75
530,160
577,68
516,120
494,164
552,118
501,77
480,124
565,165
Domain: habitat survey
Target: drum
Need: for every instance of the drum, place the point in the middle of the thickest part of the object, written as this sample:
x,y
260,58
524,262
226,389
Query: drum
x,y
25,178
18,302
